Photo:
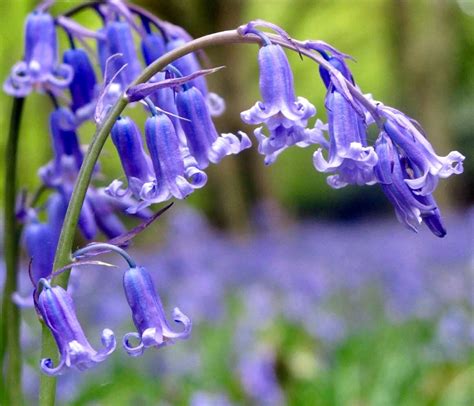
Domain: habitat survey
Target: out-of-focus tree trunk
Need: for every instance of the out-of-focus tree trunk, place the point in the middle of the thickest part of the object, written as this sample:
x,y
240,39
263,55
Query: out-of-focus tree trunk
x,y
423,40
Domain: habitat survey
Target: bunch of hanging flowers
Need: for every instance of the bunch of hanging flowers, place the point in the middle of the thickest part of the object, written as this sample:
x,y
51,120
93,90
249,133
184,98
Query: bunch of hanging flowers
x,y
137,58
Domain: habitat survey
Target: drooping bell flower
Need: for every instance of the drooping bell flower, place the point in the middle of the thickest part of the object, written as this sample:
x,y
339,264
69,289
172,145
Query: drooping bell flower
x,y
39,68
56,307
67,156
176,172
153,46
56,209
135,162
119,40
205,145
392,172
40,243
83,83
350,158
410,139
284,115
148,314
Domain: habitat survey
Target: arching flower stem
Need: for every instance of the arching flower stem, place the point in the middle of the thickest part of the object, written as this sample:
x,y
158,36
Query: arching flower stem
x,y
63,253
105,247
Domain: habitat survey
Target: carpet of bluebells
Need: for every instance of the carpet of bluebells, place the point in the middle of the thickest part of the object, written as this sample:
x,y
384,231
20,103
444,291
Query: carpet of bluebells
x,y
359,313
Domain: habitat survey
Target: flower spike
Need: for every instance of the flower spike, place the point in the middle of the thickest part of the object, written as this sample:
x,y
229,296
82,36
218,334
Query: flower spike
x,y
56,307
148,314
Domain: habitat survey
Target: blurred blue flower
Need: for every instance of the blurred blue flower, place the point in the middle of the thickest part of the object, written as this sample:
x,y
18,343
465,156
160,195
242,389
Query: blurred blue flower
x,y
39,69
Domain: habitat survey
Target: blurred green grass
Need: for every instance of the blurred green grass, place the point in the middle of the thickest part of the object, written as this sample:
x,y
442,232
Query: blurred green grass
x,y
385,366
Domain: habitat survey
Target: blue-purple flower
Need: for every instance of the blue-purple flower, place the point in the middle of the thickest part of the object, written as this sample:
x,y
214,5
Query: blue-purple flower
x,y
40,244
409,138
148,314
176,171
83,83
393,172
56,307
205,145
39,69
350,158
284,115
135,162
119,40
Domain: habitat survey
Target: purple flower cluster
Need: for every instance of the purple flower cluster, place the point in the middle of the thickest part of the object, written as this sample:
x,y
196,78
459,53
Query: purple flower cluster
x,y
180,141
402,160
56,308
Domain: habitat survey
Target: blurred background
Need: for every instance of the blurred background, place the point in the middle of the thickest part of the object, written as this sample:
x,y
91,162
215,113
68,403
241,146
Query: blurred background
x,y
299,294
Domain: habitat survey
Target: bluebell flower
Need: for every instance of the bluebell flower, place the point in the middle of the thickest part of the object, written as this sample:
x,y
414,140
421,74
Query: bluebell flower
x,y
408,136
350,158
119,40
83,83
148,314
176,171
39,68
284,115
40,243
393,172
56,208
135,162
56,307
153,46
205,145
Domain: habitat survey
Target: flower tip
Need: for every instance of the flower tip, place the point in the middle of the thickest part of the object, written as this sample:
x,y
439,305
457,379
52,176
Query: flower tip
x,y
108,341
180,317
133,351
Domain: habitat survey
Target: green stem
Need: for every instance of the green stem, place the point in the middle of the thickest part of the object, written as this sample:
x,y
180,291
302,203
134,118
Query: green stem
x,y
66,240
10,324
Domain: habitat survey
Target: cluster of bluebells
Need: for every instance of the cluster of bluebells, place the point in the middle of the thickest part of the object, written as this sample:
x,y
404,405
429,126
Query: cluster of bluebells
x,y
180,141
55,307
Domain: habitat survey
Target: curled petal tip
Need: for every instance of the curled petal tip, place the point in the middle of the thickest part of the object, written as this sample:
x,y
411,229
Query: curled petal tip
x,y
47,366
133,351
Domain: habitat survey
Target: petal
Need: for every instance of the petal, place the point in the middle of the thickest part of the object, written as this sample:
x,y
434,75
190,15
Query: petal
x,y
179,317
133,351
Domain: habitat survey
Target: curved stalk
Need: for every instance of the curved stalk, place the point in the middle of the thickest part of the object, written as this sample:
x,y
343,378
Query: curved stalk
x,y
10,323
63,253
